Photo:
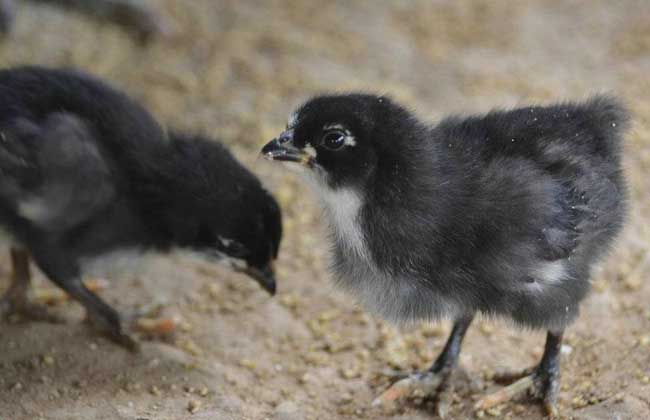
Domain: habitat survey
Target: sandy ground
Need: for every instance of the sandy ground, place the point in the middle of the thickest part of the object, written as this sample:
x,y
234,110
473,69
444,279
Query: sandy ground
x,y
235,70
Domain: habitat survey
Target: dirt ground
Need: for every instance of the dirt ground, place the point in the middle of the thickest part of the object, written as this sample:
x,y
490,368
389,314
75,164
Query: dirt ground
x,y
234,70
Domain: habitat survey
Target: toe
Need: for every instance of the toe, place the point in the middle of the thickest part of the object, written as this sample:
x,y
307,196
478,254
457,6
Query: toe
x,y
444,399
400,389
550,397
538,384
424,384
508,393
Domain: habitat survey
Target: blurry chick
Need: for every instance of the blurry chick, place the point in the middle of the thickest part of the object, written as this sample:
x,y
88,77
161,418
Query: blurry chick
x,y
134,15
86,171
503,214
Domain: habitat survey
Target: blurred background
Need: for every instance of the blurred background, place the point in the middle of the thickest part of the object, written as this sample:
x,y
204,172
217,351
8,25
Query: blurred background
x,y
234,69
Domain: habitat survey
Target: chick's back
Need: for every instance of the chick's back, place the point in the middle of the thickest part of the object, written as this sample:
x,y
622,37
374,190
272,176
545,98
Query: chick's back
x,y
544,198
123,128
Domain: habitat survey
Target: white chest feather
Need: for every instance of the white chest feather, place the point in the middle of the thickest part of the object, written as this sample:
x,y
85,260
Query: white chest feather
x,y
398,299
342,206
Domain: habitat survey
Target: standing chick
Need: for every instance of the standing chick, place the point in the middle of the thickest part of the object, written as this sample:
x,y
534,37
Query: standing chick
x,y
503,214
86,171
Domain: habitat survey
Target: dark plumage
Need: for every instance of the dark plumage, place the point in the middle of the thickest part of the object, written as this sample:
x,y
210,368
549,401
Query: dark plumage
x,y
86,171
503,214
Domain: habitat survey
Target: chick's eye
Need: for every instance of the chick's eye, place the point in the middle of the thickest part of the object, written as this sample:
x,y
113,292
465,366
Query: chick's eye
x,y
333,140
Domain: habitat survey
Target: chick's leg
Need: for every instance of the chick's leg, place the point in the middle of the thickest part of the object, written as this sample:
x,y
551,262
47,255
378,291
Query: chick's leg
x,y
542,381
435,381
99,312
15,300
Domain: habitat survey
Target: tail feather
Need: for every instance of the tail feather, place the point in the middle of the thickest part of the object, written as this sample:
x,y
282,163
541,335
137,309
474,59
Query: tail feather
x,y
609,120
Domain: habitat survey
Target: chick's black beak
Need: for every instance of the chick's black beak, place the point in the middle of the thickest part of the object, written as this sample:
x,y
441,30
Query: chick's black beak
x,y
283,149
264,276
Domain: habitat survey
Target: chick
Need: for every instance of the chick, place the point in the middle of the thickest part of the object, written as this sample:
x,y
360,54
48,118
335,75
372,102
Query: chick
x,y
503,214
134,15
87,171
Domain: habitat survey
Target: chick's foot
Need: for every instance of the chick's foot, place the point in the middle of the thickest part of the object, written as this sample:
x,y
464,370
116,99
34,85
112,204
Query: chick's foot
x,y
15,300
114,331
12,304
436,381
541,382
428,384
